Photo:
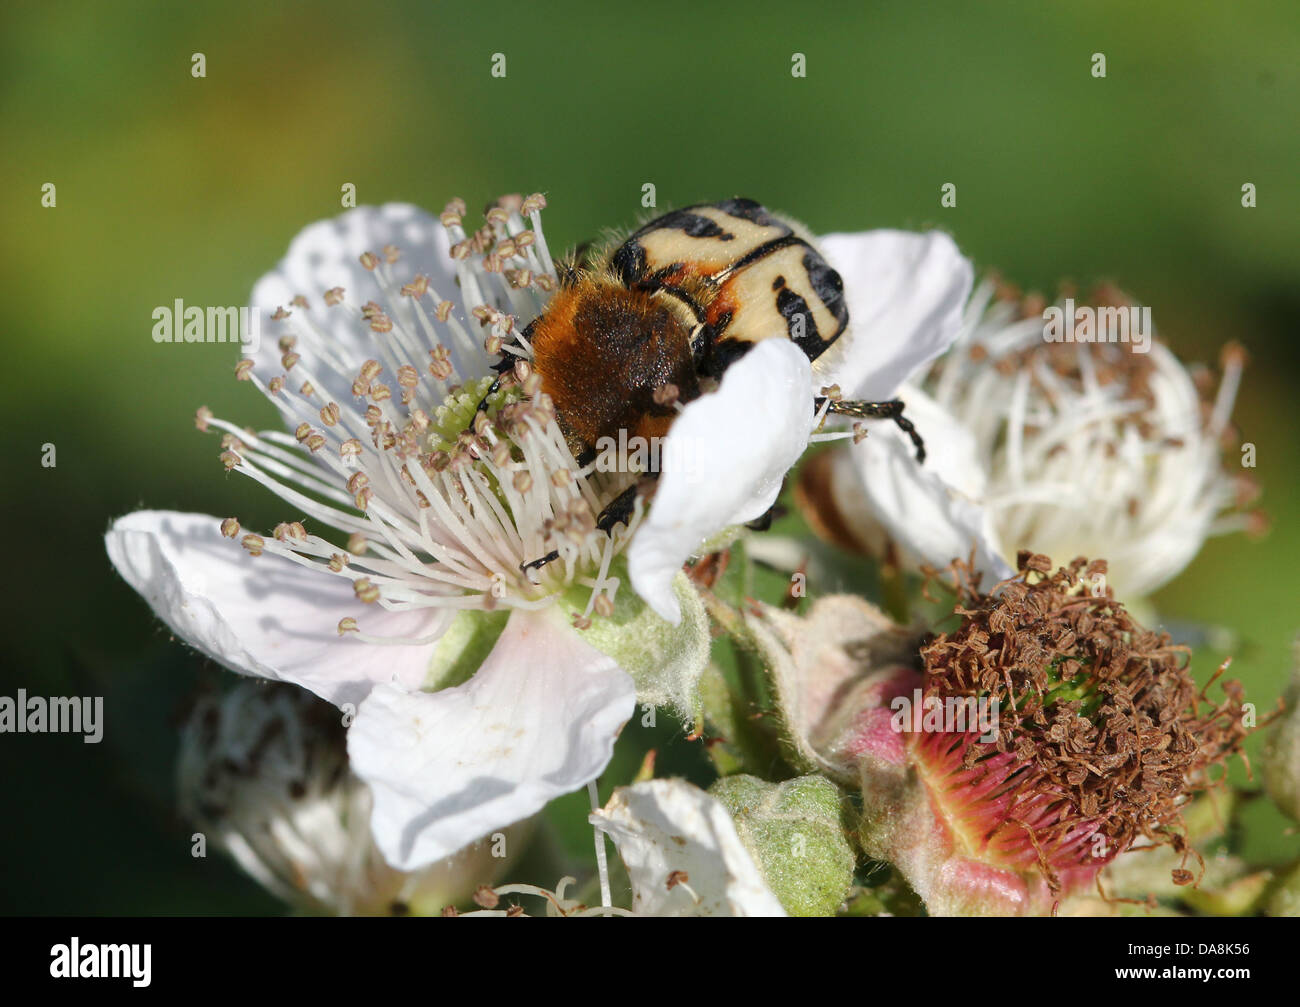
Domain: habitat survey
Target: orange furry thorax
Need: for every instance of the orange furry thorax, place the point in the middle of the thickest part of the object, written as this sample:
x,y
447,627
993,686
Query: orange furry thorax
x,y
602,349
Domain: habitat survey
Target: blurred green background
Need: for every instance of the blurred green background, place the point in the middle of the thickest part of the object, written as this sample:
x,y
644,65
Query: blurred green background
x,y
170,186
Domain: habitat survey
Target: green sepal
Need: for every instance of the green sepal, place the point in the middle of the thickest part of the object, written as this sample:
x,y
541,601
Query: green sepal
x,y
665,661
462,650
795,833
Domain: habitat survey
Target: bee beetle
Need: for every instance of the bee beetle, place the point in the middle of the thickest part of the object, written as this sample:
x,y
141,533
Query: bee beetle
x,y
671,308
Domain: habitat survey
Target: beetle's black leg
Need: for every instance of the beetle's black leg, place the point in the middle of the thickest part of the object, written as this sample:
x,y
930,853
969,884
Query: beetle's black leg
x,y
503,367
537,564
764,522
492,390
618,511
891,410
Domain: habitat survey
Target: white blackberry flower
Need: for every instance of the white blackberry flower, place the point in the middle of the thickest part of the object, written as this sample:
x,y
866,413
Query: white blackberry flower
x,y
1066,449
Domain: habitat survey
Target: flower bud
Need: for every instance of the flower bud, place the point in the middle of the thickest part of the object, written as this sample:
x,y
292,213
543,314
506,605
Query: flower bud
x,y
263,774
1282,753
794,832
1285,898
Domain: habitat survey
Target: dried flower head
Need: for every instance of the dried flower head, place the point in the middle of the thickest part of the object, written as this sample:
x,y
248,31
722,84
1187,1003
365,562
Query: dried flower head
x,y
1102,732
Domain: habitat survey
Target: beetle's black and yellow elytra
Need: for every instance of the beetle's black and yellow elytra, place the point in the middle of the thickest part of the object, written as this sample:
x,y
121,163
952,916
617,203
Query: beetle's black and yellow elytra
x,y
745,274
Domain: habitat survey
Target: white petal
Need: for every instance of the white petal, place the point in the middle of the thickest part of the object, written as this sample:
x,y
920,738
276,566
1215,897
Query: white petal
x,y
724,459
664,826
537,720
263,615
932,510
327,254
905,294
